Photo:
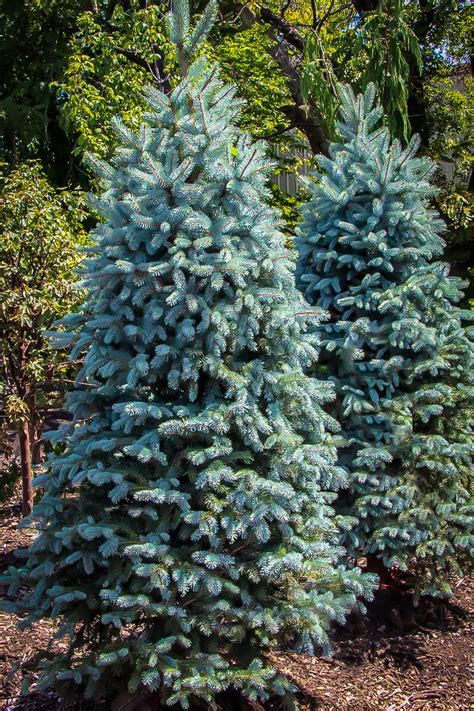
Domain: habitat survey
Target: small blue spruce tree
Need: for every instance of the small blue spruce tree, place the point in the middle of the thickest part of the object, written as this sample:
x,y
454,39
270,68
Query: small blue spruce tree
x,y
394,346
187,526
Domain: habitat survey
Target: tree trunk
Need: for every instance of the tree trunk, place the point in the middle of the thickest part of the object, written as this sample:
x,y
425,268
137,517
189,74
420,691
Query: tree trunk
x,y
26,469
36,447
36,440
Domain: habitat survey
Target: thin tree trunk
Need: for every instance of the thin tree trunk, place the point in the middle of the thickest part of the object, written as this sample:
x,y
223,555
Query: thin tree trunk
x,y
36,431
26,469
36,445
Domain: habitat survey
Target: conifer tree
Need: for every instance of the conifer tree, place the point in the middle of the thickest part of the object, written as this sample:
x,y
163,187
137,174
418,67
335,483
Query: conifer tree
x,y
187,525
394,346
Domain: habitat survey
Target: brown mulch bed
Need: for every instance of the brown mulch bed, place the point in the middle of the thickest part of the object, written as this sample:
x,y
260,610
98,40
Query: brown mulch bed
x,y
421,668
395,661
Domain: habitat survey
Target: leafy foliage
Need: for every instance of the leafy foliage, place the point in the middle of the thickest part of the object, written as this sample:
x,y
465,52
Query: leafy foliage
x,y
246,61
391,46
40,230
318,80
100,81
451,114
34,37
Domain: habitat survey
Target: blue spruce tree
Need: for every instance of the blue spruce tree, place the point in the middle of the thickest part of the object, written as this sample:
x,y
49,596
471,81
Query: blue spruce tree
x,y
187,525
394,346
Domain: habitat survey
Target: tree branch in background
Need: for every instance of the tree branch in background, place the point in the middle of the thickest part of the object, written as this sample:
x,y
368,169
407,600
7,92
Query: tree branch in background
x,y
156,68
306,118
285,7
314,14
331,12
280,24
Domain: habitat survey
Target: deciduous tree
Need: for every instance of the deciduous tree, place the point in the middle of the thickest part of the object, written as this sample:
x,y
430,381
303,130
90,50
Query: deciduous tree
x,y
39,233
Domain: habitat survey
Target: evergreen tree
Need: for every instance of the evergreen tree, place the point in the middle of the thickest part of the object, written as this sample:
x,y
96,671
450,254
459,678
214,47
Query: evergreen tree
x,y
394,346
187,525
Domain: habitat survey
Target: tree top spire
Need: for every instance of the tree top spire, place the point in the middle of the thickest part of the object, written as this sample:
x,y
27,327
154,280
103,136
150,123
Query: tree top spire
x,y
186,38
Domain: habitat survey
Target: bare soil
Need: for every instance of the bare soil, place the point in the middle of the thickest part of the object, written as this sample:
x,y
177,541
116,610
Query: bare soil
x,y
398,659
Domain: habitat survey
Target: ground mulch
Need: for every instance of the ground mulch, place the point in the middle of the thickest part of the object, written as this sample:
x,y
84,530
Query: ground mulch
x,y
396,660
423,669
